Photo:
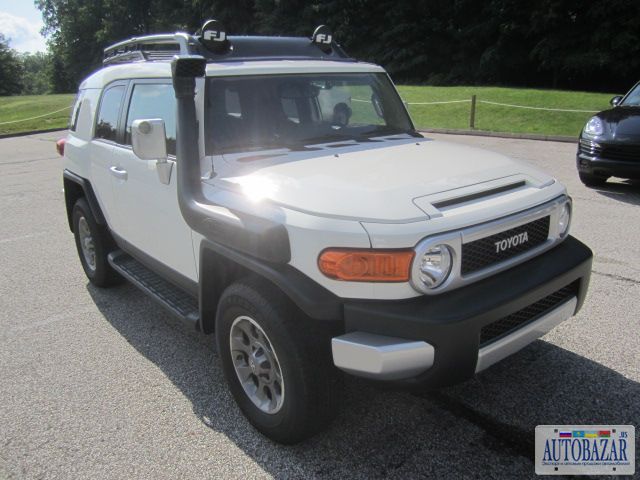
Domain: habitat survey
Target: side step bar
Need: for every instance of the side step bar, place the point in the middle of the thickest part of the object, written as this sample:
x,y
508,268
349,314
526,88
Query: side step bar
x,y
175,300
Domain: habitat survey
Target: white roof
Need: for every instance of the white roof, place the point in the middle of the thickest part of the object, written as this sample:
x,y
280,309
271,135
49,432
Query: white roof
x,y
163,69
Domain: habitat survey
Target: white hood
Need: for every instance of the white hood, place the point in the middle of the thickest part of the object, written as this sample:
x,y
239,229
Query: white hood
x,y
368,182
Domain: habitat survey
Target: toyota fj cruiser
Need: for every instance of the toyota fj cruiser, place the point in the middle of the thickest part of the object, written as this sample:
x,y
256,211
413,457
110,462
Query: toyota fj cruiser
x,y
275,192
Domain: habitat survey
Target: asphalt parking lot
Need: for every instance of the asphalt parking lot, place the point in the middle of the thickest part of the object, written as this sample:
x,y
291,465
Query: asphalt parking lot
x,y
103,383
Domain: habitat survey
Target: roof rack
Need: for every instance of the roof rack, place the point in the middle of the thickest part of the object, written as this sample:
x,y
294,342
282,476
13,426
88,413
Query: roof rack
x,y
213,43
160,47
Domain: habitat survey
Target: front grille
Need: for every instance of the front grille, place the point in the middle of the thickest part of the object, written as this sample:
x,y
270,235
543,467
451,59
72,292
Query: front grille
x,y
500,328
610,151
590,148
483,253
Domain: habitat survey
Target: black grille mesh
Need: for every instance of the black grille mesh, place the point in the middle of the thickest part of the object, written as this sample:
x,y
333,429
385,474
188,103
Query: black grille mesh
x,y
504,326
610,151
482,253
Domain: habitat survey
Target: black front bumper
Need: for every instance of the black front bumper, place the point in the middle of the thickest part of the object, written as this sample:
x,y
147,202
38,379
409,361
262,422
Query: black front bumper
x,y
604,167
452,322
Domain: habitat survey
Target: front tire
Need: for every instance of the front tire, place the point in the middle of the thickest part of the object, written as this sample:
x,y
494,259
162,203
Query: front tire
x,y
277,362
94,245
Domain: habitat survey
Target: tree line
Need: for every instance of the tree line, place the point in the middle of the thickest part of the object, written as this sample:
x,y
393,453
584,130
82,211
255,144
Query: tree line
x,y
573,44
23,73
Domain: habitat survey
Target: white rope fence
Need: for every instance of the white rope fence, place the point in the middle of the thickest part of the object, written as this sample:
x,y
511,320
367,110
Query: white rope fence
x,y
438,103
34,118
499,104
537,108
474,101
510,105
416,103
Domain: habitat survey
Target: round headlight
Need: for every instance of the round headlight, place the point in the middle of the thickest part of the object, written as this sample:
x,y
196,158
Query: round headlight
x,y
594,126
434,267
564,219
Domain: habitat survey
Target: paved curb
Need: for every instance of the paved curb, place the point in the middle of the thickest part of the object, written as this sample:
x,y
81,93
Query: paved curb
x,y
31,132
522,136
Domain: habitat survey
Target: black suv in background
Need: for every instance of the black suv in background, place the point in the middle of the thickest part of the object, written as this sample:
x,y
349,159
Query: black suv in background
x,y
609,143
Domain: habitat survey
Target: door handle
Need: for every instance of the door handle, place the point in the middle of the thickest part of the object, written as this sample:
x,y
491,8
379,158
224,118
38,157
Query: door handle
x,y
119,173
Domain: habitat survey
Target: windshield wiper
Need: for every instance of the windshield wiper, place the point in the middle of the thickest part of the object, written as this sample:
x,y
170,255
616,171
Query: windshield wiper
x,y
329,138
355,137
386,131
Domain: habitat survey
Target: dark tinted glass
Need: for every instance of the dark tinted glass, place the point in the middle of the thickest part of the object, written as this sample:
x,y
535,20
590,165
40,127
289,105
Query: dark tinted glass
x,y
108,115
73,120
289,111
153,101
633,97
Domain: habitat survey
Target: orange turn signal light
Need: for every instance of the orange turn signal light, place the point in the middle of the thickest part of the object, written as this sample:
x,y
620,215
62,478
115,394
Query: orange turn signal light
x,y
366,265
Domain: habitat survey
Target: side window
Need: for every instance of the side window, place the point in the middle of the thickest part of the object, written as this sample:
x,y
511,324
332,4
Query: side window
x,y
107,124
150,100
634,97
75,111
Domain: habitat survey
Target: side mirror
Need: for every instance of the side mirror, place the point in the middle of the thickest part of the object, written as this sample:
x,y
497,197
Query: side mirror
x,y
150,143
615,100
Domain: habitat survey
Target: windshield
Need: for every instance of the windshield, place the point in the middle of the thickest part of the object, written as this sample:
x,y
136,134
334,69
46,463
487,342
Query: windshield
x,y
291,111
633,97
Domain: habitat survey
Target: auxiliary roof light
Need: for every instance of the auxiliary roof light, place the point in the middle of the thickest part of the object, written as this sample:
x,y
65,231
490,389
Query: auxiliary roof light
x,y
214,36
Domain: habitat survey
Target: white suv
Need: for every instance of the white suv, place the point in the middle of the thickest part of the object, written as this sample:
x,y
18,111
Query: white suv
x,y
313,232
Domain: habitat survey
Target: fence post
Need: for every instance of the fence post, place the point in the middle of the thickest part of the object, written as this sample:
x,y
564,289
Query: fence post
x,y
472,115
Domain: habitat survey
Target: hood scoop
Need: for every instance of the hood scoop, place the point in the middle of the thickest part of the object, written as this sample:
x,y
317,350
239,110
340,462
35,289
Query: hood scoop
x,y
472,196
478,195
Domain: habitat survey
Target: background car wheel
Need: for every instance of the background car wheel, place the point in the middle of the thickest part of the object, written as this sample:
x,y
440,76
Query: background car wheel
x,y
94,244
592,180
277,362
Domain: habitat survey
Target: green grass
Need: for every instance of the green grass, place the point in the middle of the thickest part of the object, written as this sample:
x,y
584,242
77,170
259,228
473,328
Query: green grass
x,y
22,107
503,119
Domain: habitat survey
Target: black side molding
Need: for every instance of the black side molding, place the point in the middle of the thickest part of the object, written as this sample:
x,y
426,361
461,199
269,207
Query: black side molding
x,y
70,197
256,237
313,299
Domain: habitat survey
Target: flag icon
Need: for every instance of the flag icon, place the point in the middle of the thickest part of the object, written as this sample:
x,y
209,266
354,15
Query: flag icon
x,y
604,433
578,434
565,434
591,434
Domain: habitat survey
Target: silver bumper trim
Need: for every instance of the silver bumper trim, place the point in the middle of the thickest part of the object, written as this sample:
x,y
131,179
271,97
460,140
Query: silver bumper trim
x,y
519,339
381,357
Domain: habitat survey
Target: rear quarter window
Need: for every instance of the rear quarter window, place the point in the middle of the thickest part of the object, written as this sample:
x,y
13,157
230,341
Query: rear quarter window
x,y
109,112
75,111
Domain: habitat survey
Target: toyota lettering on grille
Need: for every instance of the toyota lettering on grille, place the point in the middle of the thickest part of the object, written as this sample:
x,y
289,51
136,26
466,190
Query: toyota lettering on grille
x,y
500,247
514,241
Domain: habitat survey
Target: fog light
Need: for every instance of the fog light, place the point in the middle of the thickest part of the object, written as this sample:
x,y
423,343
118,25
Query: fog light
x,y
434,267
